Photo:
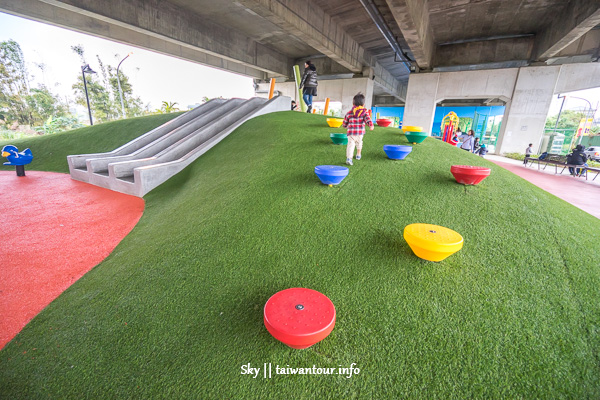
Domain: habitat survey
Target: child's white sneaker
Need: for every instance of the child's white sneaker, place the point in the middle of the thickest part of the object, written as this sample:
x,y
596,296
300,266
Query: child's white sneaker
x,y
349,161
358,157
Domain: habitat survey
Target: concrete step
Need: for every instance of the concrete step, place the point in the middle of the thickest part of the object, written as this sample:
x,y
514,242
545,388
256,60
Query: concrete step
x,y
128,178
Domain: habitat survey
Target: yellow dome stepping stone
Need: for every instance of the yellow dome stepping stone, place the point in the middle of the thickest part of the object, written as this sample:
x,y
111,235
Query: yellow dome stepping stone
x,y
335,122
432,242
412,128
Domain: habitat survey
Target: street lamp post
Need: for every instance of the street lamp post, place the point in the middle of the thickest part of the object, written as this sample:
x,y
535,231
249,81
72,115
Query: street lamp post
x,y
119,83
559,111
84,69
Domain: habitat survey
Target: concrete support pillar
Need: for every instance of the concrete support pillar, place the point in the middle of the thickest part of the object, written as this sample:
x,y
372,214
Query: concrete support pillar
x,y
342,90
345,89
421,100
527,111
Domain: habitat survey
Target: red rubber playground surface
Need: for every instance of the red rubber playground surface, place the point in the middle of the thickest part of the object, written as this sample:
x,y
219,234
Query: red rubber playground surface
x,y
54,230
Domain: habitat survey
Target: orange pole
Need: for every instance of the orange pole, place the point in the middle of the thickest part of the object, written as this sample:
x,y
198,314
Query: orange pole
x,y
326,106
314,111
271,88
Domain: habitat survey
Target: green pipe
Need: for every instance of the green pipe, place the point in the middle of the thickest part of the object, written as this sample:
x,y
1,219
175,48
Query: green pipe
x,y
298,79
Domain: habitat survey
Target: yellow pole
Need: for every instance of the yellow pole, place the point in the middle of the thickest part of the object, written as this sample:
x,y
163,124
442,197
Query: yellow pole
x,y
326,106
271,88
298,79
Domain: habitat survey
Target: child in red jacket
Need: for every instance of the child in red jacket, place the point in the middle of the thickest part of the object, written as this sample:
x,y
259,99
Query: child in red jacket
x,y
355,120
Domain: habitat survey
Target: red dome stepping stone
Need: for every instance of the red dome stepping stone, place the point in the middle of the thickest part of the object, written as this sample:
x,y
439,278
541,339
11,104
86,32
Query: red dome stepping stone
x,y
299,317
469,175
384,122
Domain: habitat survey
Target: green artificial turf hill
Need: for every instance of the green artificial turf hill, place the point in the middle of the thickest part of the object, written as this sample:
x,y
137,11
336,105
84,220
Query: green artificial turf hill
x,y
177,309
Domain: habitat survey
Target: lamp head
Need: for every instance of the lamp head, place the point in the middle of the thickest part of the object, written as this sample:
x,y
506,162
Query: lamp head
x,y
86,69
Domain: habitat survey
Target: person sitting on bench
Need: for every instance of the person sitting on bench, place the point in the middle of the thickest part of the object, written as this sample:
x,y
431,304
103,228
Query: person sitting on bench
x,y
528,153
577,157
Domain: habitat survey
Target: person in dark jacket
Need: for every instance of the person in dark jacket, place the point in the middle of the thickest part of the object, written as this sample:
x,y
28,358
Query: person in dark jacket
x,y
476,146
577,157
482,151
309,83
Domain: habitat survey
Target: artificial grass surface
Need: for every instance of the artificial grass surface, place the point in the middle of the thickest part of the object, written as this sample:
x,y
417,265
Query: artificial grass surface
x,y
176,309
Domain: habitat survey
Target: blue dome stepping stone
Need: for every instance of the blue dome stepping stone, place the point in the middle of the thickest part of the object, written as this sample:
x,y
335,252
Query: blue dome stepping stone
x,y
396,152
331,174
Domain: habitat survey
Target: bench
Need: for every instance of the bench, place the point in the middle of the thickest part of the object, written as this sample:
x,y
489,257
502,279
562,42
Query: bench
x,y
560,161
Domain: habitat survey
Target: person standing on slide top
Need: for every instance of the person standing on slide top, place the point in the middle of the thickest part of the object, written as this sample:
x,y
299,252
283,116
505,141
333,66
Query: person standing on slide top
x,y
309,83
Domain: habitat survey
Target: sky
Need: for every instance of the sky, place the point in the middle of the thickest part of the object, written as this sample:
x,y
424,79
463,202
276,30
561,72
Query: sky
x,y
574,102
155,77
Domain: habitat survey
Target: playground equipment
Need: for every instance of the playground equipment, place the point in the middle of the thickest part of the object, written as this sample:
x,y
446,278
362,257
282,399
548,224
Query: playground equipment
x,y
331,174
384,122
299,317
449,126
339,138
326,110
19,160
416,137
335,122
412,129
432,242
396,152
149,160
469,175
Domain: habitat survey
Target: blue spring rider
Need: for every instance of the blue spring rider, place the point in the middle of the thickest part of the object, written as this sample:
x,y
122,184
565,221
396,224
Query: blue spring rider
x,y
19,160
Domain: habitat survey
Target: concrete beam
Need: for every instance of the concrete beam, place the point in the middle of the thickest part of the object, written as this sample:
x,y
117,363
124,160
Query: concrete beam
x,y
308,22
575,77
484,52
382,101
412,17
579,17
324,65
587,45
158,26
389,83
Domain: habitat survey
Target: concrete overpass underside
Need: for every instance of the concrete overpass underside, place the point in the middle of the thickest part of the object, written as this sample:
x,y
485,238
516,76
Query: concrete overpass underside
x,y
387,42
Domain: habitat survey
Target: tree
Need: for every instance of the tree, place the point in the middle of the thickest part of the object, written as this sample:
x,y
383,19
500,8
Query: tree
x,y
569,119
43,104
13,83
103,91
167,107
99,98
100,102
133,105
18,102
